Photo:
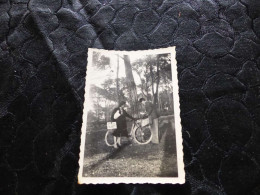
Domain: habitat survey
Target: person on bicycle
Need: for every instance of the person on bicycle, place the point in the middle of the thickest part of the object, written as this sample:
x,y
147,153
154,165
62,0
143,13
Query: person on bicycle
x,y
151,112
119,115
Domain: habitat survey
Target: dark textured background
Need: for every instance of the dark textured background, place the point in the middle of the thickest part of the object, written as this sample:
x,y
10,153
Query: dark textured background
x,y
43,47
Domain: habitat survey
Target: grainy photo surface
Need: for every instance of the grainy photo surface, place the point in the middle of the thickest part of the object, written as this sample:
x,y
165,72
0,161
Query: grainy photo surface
x,y
131,130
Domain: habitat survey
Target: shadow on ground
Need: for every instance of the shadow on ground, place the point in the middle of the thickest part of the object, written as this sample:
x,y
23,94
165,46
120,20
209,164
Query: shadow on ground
x,y
131,160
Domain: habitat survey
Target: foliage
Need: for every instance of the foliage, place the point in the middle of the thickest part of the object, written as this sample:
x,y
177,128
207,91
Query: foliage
x,y
154,72
100,61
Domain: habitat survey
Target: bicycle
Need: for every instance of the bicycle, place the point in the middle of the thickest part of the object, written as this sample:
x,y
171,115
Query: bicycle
x,y
140,132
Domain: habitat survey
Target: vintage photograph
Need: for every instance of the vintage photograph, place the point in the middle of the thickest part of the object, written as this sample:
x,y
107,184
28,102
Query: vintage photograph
x,y
131,130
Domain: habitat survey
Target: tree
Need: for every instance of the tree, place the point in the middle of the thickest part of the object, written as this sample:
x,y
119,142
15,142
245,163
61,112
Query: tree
x,y
100,61
142,69
117,79
131,86
154,72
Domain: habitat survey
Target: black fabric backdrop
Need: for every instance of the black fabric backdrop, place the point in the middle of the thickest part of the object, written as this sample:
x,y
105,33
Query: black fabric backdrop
x,y
43,48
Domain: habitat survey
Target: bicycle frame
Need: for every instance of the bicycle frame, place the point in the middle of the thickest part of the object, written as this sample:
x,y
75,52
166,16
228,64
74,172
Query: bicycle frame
x,y
138,125
135,125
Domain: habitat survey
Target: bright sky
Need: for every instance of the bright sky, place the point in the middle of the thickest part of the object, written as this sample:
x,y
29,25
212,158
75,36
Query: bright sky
x,y
97,77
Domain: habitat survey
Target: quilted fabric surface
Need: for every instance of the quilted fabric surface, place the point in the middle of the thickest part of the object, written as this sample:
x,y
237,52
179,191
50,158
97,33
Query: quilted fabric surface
x,y
43,56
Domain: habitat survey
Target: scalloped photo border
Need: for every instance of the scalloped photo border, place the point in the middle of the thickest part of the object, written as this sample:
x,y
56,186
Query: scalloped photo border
x,y
178,129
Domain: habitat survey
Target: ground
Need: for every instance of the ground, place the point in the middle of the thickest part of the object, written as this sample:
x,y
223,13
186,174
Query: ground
x,y
131,160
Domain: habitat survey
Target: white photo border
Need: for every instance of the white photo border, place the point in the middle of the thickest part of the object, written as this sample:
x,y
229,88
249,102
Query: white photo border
x,y
178,129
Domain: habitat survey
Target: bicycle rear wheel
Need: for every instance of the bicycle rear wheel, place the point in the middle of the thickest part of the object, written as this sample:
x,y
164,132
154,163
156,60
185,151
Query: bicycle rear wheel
x,y
143,135
109,138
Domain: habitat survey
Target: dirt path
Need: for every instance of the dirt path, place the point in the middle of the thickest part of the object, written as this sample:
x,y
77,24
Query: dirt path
x,y
131,160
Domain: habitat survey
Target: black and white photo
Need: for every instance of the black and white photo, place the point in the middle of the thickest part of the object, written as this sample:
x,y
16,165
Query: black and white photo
x,y
131,131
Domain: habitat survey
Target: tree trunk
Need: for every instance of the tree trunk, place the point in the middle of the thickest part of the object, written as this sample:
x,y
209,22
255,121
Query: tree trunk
x,y
131,87
170,97
157,81
117,84
152,79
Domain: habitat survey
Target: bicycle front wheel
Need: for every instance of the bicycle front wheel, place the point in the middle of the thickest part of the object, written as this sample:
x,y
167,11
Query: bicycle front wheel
x,y
143,135
109,138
